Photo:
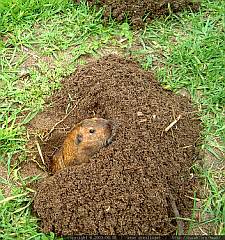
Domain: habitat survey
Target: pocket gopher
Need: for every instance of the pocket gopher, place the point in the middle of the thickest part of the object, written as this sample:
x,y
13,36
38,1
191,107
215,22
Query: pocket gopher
x,y
84,140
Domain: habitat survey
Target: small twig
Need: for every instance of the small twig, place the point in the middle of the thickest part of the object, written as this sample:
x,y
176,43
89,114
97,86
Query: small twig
x,y
39,165
204,233
63,119
196,199
172,123
40,153
180,223
188,146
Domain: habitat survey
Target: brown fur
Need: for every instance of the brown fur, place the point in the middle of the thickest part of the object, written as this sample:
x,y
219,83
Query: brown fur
x,y
85,139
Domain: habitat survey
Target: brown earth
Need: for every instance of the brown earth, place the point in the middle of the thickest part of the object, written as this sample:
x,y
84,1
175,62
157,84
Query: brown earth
x,y
141,10
131,186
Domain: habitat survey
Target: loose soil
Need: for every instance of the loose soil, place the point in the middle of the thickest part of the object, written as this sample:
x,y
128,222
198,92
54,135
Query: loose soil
x,y
139,11
126,187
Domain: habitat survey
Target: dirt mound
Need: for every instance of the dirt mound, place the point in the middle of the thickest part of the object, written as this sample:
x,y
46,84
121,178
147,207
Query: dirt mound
x,y
139,10
126,187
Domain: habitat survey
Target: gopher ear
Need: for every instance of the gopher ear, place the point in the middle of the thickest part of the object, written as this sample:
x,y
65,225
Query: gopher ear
x,y
78,139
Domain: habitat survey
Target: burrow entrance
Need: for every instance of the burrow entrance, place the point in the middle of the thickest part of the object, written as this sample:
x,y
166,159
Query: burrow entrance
x,y
133,185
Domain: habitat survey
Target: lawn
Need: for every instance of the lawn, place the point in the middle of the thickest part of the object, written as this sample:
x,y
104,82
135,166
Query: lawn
x,y
43,41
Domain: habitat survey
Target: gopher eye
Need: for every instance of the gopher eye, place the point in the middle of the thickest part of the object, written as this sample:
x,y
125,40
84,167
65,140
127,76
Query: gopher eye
x,y
92,130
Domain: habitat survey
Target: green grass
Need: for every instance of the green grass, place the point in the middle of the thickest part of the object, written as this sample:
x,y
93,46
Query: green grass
x,y
16,219
42,41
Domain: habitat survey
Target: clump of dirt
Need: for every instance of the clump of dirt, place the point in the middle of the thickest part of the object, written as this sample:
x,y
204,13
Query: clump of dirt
x,y
141,10
127,187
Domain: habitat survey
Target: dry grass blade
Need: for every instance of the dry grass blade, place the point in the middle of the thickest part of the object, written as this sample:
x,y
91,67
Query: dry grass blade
x,y
12,197
172,123
40,153
46,137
